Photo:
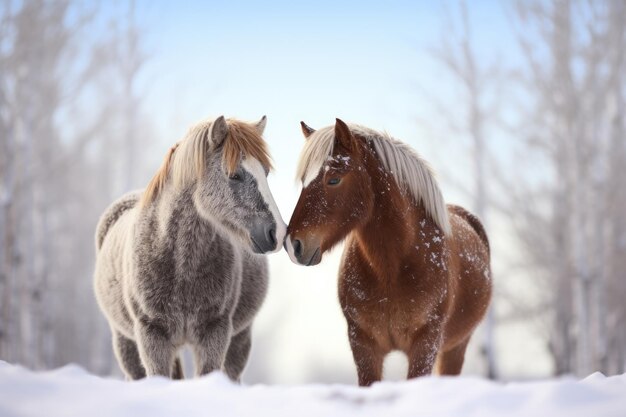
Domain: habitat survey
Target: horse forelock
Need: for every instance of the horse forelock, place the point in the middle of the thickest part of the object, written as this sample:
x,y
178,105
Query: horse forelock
x,y
409,169
186,161
317,148
244,141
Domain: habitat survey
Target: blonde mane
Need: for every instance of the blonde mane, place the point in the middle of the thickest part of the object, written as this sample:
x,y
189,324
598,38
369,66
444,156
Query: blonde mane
x,y
410,170
186,161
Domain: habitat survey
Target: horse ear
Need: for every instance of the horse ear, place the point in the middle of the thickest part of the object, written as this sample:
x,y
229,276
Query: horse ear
x,y
219,131
343,135
260,125
306,130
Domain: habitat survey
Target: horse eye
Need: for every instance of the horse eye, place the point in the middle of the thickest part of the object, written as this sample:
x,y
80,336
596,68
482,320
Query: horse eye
x,y
334,181
236,177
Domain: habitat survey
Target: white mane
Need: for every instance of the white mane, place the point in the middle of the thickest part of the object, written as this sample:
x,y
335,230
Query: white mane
x,y
186,160
189,159
412,173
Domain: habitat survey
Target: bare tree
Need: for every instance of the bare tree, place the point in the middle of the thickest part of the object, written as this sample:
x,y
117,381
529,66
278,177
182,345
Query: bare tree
x,y
53,134
130,59
568,214
574,120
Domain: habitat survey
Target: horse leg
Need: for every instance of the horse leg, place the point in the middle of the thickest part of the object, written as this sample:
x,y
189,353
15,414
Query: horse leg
x,y
177,370
155,349
423,351
451,361
210,346
127,355
237,355
367,355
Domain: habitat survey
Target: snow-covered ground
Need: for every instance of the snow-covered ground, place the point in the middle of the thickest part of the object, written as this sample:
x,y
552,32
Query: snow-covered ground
x,y
70,391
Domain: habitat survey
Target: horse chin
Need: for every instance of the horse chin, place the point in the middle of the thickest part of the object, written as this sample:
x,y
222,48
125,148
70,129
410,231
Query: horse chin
x,y
254,247
241,238
316,258
248,243
276,249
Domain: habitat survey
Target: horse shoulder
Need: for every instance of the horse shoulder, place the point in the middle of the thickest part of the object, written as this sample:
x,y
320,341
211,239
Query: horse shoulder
x,y
254,283
351,266
360,288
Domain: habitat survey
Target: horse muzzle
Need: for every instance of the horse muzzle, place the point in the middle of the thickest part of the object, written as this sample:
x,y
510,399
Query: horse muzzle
x,y
302,252
266,236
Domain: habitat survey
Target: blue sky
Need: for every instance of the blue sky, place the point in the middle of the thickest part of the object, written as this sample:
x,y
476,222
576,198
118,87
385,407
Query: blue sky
x,y
365,62
360,61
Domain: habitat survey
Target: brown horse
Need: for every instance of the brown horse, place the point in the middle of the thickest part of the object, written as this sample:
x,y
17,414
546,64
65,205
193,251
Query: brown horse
x,y
415,273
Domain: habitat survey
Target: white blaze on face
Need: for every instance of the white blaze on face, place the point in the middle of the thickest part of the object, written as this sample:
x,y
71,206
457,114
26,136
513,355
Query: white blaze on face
x,y
290,251
310,176
255,168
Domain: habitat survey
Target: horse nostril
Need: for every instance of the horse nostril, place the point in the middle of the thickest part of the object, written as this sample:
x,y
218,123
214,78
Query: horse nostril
x,y
272,236
297,247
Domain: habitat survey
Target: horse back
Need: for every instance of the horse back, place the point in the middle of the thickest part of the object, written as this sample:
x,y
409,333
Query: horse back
x,y
113,213
473,221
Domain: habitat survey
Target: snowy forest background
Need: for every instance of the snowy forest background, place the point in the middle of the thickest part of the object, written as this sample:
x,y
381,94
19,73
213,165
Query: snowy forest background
x,y
529,133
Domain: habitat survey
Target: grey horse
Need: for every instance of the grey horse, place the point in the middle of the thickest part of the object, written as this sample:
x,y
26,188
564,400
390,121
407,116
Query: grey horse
x,y
181,262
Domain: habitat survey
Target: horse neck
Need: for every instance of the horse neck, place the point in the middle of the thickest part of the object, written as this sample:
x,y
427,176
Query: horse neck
x,y
390,230
173,208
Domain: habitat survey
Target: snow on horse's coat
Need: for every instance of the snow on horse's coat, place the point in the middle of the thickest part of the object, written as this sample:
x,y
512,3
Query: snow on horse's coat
x,y
415,273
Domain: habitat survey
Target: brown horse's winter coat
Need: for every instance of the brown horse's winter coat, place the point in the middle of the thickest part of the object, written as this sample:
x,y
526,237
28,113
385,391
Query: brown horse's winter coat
x,y
407,282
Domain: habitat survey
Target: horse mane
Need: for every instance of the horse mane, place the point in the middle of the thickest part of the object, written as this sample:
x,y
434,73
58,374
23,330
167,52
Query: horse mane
x,y
410,170
186,160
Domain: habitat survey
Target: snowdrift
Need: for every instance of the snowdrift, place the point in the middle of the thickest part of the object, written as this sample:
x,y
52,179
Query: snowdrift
x,y
70,391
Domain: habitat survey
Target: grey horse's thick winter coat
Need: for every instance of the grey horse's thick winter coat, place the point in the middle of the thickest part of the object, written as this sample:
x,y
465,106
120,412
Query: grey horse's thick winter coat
x,y
180,270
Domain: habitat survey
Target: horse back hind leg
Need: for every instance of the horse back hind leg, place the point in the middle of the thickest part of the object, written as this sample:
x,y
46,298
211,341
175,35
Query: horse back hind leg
x,y
238,353
127,355
450,362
